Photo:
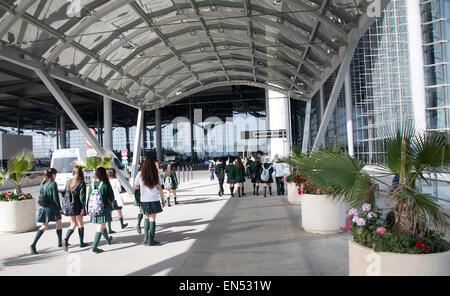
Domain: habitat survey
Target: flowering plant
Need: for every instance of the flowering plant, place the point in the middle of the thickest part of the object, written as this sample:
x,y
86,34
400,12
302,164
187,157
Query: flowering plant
x,y
11,196
370,230
294,177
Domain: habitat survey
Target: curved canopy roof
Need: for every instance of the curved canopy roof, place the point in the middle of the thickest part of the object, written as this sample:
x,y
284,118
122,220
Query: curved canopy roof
x,y
149,53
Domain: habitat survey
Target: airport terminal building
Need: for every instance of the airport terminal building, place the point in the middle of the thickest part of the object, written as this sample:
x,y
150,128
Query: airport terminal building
x,y
197,78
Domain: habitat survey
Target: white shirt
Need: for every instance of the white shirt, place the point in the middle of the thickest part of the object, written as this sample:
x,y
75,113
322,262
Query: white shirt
x,y
147,194
115,184
280,169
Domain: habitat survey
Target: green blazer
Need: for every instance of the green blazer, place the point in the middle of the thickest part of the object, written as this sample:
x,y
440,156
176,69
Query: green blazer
x,y
230,170
50,189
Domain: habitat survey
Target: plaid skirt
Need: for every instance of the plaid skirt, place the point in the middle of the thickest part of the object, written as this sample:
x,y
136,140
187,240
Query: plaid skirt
x,y
115,206
105,217
240,180
231,181
46,215
153,207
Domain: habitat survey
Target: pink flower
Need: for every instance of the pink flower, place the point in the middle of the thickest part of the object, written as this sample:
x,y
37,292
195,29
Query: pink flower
x,y
381,230
318,191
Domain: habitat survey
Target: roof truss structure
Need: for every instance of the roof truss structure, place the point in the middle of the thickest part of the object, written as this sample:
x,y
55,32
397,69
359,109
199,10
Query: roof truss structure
x,y
150,53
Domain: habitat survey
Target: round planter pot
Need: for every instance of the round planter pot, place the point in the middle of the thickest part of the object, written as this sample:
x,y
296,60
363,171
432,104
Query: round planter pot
x,y
364,261
17,216
293,197
321,214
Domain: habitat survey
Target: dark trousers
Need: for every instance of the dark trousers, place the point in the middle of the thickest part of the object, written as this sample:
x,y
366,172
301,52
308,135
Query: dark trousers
x,y
280,185
221,185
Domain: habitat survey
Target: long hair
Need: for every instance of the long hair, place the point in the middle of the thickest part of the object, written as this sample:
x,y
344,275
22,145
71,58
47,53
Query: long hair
x,y
78,175
239,163
111,172
169,169
149,173
100,173
48,174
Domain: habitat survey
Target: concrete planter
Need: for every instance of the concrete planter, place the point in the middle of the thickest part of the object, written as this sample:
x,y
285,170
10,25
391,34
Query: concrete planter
x,y
321,214
292,193
364,261
17,216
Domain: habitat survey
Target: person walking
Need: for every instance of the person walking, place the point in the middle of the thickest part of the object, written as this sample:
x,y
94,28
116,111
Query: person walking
x,y
212,166
230,171
266,176
220,172
100,200
147,181
50,208
255,173
280,171
118,203
170,183
137,202
73,205
240,176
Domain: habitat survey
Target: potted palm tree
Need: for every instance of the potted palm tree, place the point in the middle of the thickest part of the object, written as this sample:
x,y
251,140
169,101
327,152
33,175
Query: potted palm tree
x,y
407,240
90,164
17,209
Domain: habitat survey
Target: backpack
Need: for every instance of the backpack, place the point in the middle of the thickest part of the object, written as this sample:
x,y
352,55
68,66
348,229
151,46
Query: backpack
x,y
265,175
96,205
71,204
220,172
44,200
168,183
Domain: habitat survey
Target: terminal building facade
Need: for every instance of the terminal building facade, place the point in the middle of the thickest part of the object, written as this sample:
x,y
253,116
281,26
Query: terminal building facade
x,y
381,89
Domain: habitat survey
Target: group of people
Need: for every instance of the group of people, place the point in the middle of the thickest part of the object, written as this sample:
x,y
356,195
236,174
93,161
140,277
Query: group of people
x,y
99,199
259,172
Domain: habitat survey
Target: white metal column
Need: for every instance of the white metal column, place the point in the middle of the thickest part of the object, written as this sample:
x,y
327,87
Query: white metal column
x,y
107,124
158,135
416,63
349,113
137,145
307,127
78,121
278,120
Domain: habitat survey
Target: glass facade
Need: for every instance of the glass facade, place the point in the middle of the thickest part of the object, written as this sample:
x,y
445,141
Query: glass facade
x,y
380,80
210,124
435,28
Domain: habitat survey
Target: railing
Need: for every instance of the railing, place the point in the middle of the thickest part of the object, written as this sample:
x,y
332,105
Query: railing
x,y
438,186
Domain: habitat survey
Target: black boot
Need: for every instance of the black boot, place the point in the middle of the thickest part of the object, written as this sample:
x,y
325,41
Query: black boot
x,y
254,189
242,190
265,191
270,190
239,191
257,190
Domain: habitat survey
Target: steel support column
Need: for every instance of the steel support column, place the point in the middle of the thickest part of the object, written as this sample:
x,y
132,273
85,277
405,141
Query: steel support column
x,y
78,121
349,113
416,63
158,135
137,145
306,128
107,124
63,141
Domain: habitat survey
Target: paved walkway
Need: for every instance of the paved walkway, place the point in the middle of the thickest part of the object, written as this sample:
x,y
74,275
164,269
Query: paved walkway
x,y
203,235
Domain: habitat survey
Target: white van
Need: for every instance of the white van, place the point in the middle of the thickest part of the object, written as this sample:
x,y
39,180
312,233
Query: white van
x,y
62,161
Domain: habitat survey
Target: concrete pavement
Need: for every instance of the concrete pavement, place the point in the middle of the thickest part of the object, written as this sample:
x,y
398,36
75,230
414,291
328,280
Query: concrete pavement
x,y
203,235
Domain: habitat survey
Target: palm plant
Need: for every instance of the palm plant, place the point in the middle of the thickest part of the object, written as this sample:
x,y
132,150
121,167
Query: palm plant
x,y
94,162
20,163
408,154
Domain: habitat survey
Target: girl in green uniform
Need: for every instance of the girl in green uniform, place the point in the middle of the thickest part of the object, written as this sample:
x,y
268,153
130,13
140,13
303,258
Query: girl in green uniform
x,y
240,176
255,174
220,172
101,182
50,212
230,170
152,196
267,168
170,184
77,188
